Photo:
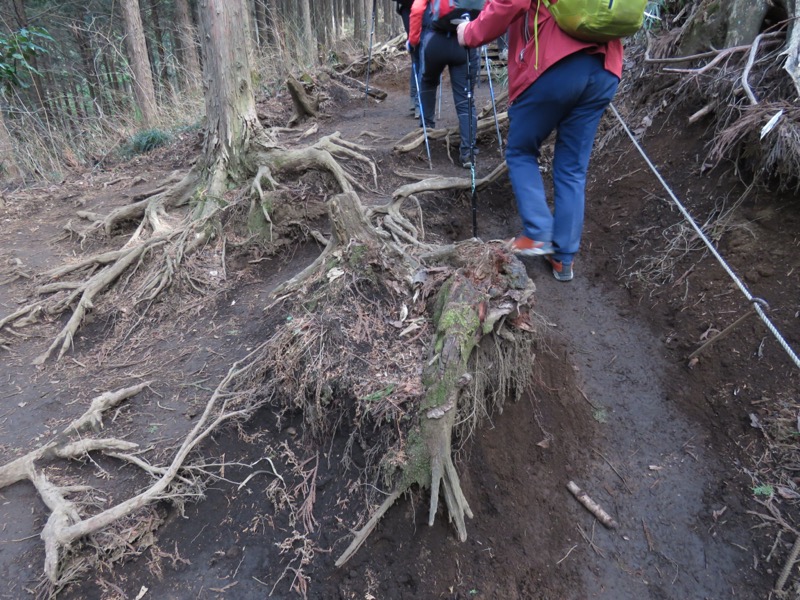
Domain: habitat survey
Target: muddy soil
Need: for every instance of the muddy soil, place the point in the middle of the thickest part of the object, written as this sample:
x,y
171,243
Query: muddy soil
x,y
668,450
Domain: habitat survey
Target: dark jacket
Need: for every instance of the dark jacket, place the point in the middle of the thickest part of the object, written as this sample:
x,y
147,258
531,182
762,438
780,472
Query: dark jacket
x,y
404,6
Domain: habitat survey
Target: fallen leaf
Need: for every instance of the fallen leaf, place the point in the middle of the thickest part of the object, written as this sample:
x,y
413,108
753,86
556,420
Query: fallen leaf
x,y
545,443
335,273
787,493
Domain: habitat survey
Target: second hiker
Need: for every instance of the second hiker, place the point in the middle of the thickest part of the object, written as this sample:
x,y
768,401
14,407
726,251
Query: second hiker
x,y
439,48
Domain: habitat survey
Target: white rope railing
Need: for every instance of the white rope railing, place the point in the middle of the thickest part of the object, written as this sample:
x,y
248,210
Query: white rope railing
x,y
757,303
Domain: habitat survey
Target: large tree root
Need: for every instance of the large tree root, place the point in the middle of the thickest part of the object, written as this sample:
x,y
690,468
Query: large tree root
x,y
65,525
416,138
64,514
174,237
465,313
370,288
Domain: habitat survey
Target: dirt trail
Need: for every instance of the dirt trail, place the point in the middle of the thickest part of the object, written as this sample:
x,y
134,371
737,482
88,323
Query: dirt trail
x,y
650,465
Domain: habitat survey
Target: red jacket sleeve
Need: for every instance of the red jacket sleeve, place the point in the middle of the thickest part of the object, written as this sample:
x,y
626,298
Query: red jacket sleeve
x,y
493,21
415,21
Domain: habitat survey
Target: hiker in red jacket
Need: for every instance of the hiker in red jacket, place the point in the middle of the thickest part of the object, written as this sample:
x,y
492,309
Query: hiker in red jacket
x,y
554,82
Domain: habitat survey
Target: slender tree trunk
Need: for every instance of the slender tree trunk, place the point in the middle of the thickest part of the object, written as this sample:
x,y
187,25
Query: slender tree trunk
x,y
358,22
262,23
139,61
160,51
190,63
8,166
307,41
37,91
87,60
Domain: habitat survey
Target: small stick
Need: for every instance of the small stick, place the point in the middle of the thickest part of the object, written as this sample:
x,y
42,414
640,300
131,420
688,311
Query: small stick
x,y
728,329
787,568
592,506
591,543
560,561
613,468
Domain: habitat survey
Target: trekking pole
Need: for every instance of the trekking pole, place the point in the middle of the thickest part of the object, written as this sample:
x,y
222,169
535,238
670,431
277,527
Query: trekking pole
x,y
439,110
494,105
369,56
422,114
471,107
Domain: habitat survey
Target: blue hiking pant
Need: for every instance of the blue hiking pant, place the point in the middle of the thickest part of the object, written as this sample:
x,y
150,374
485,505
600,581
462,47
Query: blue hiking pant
x,y
440,50
569,97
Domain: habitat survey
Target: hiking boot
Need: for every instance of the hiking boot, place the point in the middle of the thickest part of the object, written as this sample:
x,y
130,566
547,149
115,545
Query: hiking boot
x,y
466,160
525,246
561,271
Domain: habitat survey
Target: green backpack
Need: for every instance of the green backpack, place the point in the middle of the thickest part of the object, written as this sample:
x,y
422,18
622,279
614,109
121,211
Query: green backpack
x,y
598,20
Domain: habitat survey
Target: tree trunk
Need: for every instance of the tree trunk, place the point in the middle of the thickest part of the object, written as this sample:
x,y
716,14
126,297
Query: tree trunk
x,y
230,102
307,41
8,166
163,74
190,63
89,70
744,21
358,23
37,92
792,64
140,63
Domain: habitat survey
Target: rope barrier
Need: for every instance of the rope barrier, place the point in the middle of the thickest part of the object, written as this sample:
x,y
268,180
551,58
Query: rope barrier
x,y
758,303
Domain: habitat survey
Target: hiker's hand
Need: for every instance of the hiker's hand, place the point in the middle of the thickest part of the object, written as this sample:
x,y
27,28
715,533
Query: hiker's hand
x,y
460,33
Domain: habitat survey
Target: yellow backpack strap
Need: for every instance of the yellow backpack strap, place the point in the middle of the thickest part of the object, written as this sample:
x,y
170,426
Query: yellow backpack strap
x,y
527,37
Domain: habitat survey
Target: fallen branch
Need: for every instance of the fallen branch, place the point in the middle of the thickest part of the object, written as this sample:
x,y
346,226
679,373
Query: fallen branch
x,y
787,568
592,506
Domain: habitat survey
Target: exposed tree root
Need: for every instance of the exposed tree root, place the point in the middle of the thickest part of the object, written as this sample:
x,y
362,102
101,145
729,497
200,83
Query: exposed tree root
x,y
416,138
370,289
66,525
434,184
64,514
175,237
381,55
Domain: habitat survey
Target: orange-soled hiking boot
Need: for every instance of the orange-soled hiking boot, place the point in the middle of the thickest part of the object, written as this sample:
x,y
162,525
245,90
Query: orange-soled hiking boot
x,y
525,246
561,271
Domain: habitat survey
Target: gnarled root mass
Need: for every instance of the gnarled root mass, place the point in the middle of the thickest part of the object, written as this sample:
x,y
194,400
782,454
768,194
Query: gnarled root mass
x,y
165,236
481,316
388,345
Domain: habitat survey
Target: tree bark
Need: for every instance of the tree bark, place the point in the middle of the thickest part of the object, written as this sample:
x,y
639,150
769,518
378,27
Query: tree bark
x,y
230,101
163,73
792,64
744,21
136,46
308,42
190,63
8,166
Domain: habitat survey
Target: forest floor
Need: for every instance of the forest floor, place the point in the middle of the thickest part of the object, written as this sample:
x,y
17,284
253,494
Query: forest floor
x,y
680,455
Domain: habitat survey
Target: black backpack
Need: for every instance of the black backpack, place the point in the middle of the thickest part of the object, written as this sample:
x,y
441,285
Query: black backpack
x,y
447,14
